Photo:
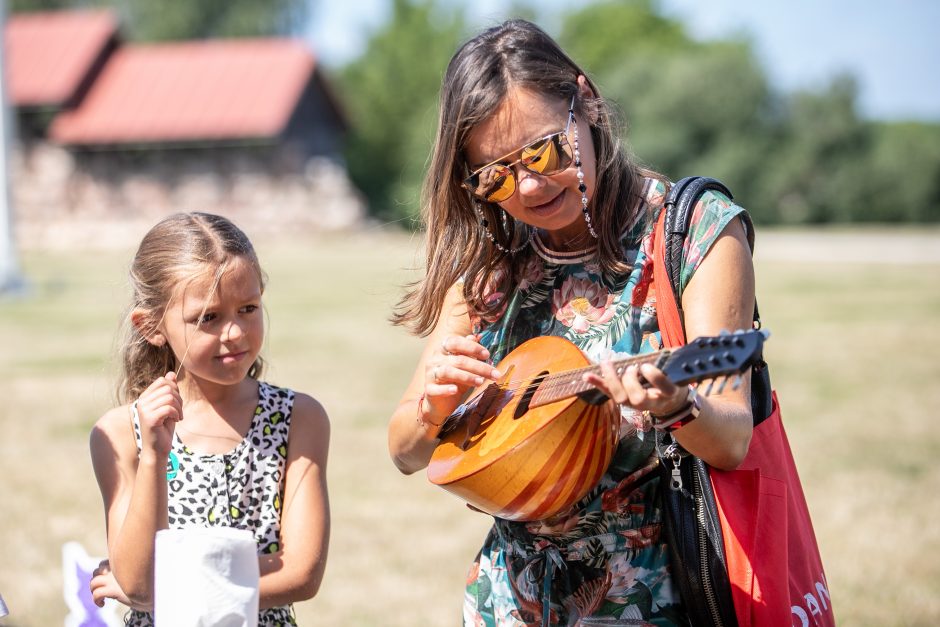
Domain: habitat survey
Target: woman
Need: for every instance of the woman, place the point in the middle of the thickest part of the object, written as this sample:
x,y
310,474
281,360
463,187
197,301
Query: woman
x,y
539,224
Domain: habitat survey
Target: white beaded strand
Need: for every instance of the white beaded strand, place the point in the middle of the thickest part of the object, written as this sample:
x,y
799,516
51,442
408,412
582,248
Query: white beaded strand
x,y
581,185
484,224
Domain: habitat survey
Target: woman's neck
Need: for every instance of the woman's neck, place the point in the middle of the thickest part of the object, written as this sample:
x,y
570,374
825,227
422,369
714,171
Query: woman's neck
x,y
567,242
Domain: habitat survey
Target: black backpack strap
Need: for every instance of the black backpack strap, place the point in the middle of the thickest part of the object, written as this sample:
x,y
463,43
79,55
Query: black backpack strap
x,y
679,206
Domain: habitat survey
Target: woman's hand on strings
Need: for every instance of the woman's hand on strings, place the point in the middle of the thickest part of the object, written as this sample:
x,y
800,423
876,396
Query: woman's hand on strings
x,y
160,407
643,388
457,365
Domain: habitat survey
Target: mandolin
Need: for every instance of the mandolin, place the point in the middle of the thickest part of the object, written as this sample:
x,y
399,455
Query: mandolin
x,y
535,442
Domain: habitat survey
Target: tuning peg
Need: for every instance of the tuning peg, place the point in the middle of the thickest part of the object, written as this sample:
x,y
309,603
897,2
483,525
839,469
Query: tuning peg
x,y
737,381
708,388
721,387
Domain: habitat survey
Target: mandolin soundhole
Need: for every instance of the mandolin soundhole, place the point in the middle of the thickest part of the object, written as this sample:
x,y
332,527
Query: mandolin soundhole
x,y
527,395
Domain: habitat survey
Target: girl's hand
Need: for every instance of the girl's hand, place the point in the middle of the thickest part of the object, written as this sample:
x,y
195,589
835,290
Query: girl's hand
x,y
458,365
104,586
659,395
160,407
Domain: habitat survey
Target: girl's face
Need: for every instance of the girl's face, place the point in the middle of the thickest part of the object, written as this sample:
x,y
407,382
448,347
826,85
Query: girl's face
x,y
551,203
221,343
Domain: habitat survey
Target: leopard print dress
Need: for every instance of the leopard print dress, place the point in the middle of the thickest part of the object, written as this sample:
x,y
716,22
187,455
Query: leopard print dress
x,y
243,488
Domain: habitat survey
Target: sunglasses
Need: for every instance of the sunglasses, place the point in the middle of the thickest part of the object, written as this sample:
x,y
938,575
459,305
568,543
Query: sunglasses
x,y
547,156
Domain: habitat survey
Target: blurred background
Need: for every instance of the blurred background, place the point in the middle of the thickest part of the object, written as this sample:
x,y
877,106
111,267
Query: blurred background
x,y
310,123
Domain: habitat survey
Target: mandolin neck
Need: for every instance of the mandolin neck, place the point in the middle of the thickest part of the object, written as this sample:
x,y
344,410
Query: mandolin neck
x,y
568,383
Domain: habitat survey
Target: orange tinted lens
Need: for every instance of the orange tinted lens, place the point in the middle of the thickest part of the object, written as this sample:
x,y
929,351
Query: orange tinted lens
x,y
493,183
547,156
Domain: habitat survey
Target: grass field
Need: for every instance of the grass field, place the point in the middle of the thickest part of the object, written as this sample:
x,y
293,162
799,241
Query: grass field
x,y
853,354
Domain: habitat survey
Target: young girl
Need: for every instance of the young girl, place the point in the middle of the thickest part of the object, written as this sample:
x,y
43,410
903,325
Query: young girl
x,y
200,441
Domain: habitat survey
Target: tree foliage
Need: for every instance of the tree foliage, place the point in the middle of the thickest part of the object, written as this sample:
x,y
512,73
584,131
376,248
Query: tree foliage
x,y
18,6
158,20
690,107
391,95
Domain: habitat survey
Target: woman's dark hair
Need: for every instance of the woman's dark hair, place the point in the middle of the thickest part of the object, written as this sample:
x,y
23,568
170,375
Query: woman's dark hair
x,y
514,55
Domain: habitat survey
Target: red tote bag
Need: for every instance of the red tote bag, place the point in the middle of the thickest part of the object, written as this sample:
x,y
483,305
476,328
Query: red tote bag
x,y
773,561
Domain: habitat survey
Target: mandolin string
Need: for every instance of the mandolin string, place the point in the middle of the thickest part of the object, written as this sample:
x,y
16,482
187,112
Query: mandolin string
x,y
553,382
566,378
558,379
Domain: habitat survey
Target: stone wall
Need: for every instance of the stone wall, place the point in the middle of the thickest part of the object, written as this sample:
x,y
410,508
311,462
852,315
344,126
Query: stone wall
x,y
104,198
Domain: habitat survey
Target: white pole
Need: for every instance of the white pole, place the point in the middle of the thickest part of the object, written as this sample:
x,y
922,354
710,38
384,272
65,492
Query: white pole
x,y
9,270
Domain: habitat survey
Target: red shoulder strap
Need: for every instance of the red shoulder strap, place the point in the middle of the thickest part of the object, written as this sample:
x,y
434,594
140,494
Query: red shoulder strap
x,y
670,325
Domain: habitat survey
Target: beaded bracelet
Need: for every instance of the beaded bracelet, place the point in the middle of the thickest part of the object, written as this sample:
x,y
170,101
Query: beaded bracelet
x,y
682,416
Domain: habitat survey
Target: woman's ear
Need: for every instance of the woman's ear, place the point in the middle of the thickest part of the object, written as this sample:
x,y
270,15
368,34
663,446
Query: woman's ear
x,y
142,322
586,92
584,88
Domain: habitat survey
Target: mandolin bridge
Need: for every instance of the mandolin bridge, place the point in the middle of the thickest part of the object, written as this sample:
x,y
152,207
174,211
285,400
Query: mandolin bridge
x,y
488,402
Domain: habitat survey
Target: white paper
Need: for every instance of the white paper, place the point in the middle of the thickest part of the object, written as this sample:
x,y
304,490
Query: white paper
x,y
206,578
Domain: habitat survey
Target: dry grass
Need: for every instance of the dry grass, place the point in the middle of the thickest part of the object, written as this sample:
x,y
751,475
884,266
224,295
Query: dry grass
x,y
853,356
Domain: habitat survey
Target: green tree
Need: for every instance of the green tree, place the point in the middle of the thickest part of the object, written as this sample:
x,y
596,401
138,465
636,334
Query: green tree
x,y
16,6
391,95
604,35
157,20
153,20
906,158
820,169
691,107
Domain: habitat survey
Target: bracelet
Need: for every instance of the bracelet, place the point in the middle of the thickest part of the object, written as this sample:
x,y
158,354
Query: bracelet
x,y
421,422
682,416
682,409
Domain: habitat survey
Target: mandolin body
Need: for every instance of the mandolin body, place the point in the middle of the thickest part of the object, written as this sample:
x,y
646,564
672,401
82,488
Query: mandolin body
x,y
527,463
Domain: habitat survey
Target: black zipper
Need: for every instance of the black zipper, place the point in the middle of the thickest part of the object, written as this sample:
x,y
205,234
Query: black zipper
x,y
705,571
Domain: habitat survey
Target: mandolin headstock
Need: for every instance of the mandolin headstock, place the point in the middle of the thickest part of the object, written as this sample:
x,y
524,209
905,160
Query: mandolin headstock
x,y
716,356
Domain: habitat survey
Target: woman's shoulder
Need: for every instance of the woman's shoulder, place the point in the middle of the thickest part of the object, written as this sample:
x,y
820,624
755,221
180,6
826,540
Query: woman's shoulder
x,y
655,190
713,211
717,201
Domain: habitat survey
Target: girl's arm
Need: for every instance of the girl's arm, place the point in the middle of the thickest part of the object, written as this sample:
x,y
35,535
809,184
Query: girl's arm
x,y
114,458
104,586
294,573
441,379
133,488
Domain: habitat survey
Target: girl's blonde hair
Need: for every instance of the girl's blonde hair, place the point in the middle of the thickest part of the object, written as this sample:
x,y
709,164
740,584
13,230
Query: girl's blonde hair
x,y
179,249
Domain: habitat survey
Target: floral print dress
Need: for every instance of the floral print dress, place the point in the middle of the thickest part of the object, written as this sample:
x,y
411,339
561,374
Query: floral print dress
x,y
603,561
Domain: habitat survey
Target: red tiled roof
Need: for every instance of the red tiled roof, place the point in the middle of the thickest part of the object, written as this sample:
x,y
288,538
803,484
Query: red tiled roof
x,y
190,91
49,54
